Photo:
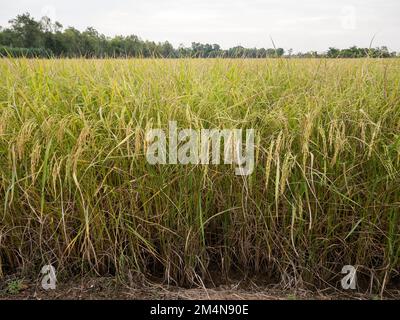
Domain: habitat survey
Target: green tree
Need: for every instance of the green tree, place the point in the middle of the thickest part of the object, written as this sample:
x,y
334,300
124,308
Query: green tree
x,y
28,32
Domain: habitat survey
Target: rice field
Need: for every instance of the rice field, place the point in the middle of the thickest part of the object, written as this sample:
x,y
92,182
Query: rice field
x,y
77,192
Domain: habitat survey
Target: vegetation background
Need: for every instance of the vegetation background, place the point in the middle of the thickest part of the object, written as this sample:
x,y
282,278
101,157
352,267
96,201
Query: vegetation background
x,y
27,37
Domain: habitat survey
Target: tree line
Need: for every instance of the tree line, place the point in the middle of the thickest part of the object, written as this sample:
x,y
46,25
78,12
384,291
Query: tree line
x,y
27,37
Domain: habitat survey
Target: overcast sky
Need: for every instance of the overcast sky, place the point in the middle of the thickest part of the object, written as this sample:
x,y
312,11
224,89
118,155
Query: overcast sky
x,y
299,24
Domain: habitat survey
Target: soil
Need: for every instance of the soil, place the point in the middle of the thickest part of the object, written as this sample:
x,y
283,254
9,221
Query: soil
x,y
108,288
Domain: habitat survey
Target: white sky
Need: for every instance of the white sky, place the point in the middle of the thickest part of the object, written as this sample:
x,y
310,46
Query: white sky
x,y
299,24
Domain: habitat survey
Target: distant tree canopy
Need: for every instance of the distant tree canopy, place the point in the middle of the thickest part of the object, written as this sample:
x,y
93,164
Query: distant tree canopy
x,y
45,38
354,52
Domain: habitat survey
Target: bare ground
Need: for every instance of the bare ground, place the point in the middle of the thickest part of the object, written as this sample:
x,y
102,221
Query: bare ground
x,y
108,288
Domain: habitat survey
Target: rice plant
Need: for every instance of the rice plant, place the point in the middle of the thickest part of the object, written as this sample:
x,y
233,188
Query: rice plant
x,y
76,189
